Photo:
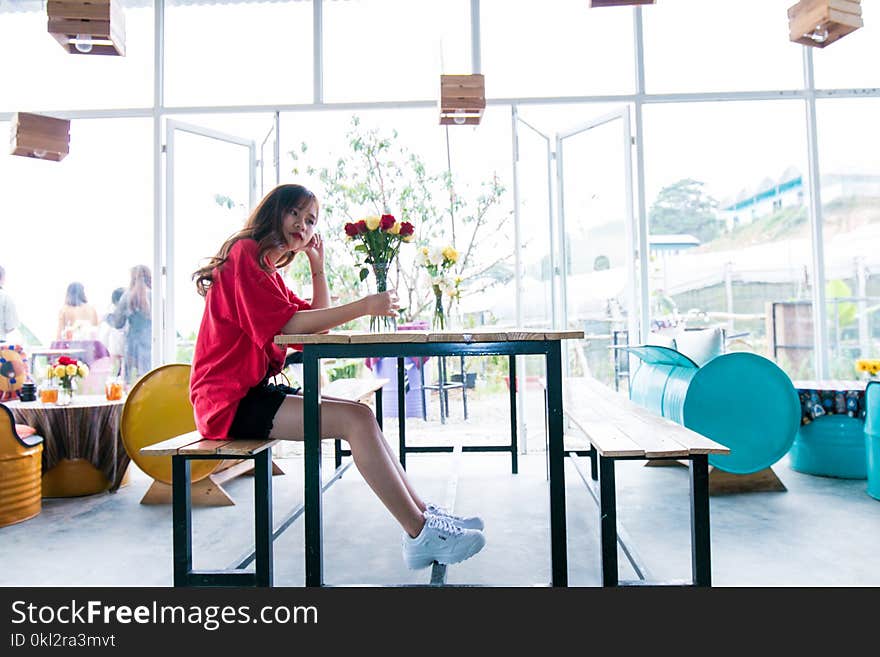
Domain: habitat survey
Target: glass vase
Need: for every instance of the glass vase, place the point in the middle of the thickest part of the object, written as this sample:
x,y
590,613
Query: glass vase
x,y
382,324
438,322
65,393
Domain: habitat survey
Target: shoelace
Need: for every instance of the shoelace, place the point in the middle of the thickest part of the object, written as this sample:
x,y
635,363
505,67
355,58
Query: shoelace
x,y
435,510
443,524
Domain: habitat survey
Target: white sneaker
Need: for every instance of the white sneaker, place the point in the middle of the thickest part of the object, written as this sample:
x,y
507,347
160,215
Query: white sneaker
x,y
442,541
468,522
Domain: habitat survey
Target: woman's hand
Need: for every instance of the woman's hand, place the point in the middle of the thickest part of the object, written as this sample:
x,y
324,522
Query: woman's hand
x,y
383,304
314,250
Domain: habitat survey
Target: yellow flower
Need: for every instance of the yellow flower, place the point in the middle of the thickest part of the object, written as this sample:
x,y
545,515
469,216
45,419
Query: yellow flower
x,y
60,370
50,372
71,370
450,254
410,237
424,250
83,370
372,222
395,229
457,280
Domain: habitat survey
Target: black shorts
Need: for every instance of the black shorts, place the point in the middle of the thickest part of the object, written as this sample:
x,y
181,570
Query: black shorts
x,y
256,411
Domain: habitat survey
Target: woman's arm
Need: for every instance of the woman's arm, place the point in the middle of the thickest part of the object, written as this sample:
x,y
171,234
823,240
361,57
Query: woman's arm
x,y
320,289
324,319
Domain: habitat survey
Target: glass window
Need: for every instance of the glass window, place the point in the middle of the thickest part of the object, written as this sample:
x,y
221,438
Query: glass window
x,y
238,53
850,191
555,49
728,223
393,49
86,219
37,73
846,62
698,46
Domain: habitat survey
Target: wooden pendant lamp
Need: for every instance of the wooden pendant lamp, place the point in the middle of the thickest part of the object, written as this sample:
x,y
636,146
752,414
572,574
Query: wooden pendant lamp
x,y
462,99
820,22
87,27
41,137
618,3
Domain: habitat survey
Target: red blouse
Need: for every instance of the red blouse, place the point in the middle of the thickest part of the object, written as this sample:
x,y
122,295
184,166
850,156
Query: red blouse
x,y
245,309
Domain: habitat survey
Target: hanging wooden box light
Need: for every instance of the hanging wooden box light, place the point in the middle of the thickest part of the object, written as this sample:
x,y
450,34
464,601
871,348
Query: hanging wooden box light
x,y
42,137
462,99
820,22
87,27
618,3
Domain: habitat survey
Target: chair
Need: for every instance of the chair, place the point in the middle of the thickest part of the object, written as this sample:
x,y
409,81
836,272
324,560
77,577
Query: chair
x,y
21,452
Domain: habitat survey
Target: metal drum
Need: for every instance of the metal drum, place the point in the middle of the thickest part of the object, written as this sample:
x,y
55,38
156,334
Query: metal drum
x,y
872,438
741,400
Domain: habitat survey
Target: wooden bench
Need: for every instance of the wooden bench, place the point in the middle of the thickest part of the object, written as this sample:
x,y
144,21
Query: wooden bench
x,y
619,429
187,447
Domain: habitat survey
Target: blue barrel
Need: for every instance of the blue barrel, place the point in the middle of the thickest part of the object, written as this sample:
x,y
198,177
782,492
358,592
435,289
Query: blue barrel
x,y
741,400
830,446
872,438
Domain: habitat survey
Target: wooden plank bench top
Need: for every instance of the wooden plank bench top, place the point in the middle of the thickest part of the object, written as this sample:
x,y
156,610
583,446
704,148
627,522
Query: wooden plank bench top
x,y
618,427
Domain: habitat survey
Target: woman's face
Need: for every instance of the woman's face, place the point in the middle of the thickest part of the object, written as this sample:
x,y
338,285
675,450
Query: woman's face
x,y
299,226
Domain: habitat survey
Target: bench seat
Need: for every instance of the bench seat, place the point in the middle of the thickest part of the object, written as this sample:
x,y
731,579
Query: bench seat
x,y
618,429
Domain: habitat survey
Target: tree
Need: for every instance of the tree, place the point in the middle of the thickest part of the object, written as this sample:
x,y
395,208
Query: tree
x,y
684,208
379,175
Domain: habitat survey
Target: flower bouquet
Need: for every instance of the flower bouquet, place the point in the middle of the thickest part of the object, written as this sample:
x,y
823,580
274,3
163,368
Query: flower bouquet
x,y
870,366
378,241
438,262
66,370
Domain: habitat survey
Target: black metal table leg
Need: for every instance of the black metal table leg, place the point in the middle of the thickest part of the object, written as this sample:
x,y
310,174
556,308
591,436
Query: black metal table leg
x,y
312,471
263,562
700,540
514,448
463,387
182,519
379,409
559,556
401,411
608,521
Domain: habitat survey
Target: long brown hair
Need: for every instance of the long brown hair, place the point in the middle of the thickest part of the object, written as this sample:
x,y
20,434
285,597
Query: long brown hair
x,y
265,226
139,289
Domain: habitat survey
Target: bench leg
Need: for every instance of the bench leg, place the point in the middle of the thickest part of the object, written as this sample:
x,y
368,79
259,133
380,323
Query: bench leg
x,y
700,541
379,408
263,558
181,519
464,388
337,453
608,521
594,467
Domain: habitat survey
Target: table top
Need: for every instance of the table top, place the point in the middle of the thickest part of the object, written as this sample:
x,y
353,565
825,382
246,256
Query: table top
x,y
52,351
79,401
830,384
405,337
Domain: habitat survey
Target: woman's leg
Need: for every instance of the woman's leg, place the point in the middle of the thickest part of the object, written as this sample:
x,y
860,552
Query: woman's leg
x,y
356,424
393,456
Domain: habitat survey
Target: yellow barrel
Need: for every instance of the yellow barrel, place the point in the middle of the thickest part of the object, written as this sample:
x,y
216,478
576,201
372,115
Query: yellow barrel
x,y
20,489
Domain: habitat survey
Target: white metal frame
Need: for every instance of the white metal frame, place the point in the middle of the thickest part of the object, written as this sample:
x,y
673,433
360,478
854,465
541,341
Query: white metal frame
x,y
165,287
639,99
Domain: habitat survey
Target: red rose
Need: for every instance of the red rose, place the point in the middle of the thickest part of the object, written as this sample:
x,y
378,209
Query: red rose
x,y
387,221
64,360
351,230
406,228
362,226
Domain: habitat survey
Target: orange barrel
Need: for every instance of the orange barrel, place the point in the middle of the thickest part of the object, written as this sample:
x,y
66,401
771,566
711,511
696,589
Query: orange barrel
x,y
20,491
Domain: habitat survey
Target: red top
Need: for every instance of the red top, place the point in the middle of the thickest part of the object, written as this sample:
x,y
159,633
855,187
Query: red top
x,y
244,310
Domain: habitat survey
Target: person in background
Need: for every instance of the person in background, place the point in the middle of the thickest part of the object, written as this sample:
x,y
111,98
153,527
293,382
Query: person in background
x,y
134,316
112,337
78,319
247,304
8,314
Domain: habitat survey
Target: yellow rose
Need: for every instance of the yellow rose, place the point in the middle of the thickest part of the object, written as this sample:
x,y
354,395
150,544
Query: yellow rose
x,y
450,254
372,222
395,229
83,370
60,370
71,370
50,372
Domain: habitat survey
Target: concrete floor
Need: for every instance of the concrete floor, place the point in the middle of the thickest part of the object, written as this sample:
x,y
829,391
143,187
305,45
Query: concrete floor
x,y
821,532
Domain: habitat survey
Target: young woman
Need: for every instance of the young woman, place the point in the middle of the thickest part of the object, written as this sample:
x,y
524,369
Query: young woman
x,y
77,317
133,315
247,303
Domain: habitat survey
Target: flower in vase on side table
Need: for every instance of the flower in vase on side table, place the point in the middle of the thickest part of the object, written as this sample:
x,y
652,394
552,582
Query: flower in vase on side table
x,y
438,262
870,366
378,241
66,371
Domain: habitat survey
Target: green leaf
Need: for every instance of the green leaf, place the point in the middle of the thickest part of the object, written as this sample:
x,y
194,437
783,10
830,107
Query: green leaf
x,y
364,273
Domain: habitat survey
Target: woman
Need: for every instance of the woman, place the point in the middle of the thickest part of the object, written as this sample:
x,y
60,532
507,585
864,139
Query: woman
x,y
133,314
77,318
247,303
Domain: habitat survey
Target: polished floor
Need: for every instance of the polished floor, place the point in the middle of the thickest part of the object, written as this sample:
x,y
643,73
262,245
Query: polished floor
x,y
820,532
